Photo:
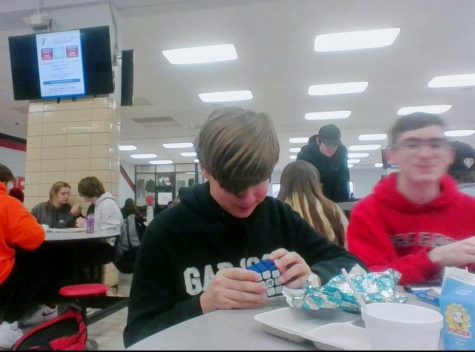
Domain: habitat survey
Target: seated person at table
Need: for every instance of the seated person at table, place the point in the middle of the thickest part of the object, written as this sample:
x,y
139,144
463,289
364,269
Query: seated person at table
x,y
194,255
416,221
21,277
300,188
57,212
107,214
17,193
463,167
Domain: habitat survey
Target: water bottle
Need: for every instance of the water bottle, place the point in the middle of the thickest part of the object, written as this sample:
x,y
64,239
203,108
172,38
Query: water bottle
x,y
90,223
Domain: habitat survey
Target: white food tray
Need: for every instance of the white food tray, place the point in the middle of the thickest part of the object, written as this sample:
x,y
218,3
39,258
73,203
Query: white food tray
x,y
326,328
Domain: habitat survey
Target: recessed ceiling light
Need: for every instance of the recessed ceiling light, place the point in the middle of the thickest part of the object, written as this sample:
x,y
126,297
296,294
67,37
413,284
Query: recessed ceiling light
x,y
356,148
358,155
196,160
232,95
295,150
293,157
356,40
127,147
160,162
378,164
201,54
430,109
298,140
188,154
354,161
327,115
459,133
452,81
350,166
337,88
143,156
372,137
177,145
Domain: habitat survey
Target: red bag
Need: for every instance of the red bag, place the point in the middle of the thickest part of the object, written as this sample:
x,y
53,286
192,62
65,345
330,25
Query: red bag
x,y
65,332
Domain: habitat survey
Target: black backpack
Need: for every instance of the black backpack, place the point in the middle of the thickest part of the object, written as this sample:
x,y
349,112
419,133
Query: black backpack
x,y
127,243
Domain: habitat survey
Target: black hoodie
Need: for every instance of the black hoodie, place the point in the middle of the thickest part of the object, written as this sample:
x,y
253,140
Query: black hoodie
x,y
334,172
185,246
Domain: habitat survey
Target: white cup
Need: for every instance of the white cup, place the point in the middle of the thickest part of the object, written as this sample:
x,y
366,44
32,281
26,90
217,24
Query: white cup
x,y
398,326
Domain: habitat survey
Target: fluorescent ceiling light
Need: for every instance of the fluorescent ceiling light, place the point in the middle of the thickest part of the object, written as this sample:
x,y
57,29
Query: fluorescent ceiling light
x,y
355,40
355,148
430,109
160,162
350,166
378,164
327,115
177,145
196,160
232,95
143,156
201,54
337,88
372,137
188,154
293,157
459,133
353,161
127,147
358,155
295,150
298,140
452,81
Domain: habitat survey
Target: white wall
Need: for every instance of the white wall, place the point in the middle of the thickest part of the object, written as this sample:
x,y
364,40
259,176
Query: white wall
x,y
364,180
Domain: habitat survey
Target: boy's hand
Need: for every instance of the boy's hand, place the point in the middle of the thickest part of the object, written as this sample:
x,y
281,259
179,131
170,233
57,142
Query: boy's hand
x,y
233,288
293,269
80,222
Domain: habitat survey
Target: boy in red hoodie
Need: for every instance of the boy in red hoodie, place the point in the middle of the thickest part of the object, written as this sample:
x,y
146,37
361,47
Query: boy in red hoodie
x,y
416,221
20,273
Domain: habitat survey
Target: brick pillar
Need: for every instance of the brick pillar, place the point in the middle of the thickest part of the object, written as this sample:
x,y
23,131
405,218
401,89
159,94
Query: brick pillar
x,y
68,141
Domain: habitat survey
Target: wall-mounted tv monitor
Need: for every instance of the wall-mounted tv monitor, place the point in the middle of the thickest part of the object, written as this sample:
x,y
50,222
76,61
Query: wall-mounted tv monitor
x,y
52,65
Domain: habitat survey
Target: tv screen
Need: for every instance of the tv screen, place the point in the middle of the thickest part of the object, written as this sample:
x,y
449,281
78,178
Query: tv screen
x,y
72,63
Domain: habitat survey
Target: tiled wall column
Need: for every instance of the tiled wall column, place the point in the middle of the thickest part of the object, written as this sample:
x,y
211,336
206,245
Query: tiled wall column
x,y
68,141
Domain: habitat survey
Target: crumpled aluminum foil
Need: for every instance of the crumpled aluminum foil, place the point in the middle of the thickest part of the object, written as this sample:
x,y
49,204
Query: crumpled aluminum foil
x,y
338,293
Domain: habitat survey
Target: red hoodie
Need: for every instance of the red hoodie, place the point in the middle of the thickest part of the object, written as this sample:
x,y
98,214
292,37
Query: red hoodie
x,y
387,230
18,228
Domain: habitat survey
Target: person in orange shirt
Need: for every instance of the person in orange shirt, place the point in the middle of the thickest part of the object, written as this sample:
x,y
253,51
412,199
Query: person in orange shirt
x,y
20,270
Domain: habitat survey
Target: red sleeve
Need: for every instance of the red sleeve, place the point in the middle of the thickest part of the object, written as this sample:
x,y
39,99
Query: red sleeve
x,y
25,232
369,240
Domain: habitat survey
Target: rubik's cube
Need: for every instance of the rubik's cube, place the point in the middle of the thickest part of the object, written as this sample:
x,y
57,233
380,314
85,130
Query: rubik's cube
x,y
269,276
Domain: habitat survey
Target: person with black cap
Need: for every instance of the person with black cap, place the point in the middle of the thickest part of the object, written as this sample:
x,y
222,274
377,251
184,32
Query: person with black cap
x,y
326,152
463,167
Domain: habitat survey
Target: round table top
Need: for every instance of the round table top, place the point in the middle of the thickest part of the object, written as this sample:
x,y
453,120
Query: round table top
x,y
222,330
77,234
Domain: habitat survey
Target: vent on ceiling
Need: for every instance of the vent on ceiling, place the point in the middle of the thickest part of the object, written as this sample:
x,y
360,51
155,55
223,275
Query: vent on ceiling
x,y
160,121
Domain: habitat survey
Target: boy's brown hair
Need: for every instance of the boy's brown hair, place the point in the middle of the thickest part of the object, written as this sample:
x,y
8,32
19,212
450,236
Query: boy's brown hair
x,y
238,147
90,187
412,122
6,174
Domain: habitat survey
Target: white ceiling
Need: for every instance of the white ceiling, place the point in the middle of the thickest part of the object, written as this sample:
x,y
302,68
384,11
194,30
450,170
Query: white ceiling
x,y
276,61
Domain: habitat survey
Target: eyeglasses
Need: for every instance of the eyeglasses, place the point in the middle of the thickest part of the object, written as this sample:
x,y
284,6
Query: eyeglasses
x,y
415,144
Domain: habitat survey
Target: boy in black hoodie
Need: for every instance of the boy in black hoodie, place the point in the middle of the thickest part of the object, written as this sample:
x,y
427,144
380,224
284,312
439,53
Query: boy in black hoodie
x,y
194,256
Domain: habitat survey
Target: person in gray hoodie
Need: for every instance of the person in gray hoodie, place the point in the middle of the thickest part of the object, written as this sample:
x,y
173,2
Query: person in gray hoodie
x,y
107,214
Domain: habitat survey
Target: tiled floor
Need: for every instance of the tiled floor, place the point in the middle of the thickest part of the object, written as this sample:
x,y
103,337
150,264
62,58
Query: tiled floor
x,y
107,332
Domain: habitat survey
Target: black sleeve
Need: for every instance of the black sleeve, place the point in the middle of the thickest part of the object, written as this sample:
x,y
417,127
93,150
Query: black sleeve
x,y
324,258
341,191
153,304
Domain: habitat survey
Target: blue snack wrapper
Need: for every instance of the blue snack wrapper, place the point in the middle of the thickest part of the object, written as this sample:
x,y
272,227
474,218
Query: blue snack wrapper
x,y
338,293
